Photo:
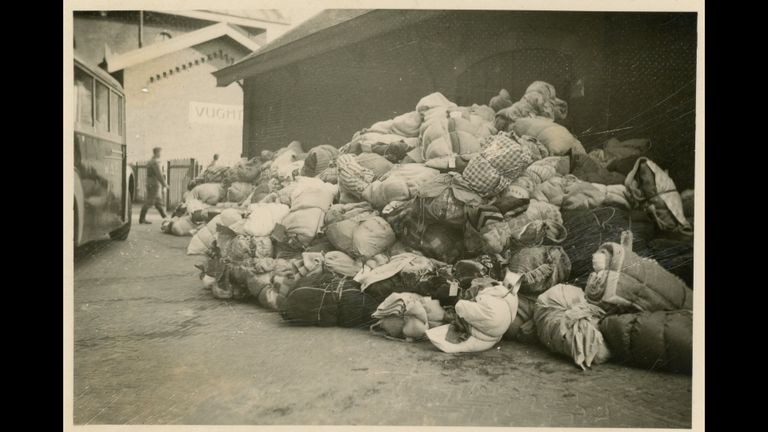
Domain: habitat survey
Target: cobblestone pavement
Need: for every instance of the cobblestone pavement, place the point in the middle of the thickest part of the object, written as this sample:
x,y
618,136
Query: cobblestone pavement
x,y
151,347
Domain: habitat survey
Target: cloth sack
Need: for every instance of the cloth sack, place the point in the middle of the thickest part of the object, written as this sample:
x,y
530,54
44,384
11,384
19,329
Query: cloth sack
x,y
401,183
179,226
308,192
623,280
488,315
444,197
239,191
501,100
583,195
539,222
614,150
588,229
356,308
446,139
587,168
353,178
411,266
406,316
301,226
208,193
263,217
501,161
358,231
661,340
540,268
652,189
244,248
319,159
567,324
343,264
204,238
310,305
556,137
245,171
445,244
405,125
217,174
539,100
523,327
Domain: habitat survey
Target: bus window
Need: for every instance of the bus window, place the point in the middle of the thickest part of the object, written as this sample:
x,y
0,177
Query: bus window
x,y
84,98
120,115
102,107
114,113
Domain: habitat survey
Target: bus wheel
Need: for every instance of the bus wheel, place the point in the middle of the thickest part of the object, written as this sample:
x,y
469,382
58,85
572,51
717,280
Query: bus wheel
x,y
122,232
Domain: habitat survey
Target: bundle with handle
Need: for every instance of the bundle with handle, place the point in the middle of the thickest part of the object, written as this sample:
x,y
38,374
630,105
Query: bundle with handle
x,y
623,280
588,229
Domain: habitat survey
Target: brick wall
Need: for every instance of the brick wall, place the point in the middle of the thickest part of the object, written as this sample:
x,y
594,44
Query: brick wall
x,y
469,56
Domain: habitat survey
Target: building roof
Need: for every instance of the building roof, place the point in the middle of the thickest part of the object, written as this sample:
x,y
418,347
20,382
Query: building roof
x,y
255,18
141,55
320,21
329,29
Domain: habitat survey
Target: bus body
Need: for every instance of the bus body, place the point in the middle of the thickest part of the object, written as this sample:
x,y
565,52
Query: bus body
x,y
104,182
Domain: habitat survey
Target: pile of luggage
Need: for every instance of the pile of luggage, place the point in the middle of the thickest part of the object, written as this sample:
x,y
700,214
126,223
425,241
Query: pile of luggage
x,y
462,226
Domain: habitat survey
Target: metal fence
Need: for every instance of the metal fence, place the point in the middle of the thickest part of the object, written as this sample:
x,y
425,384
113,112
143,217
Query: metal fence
x,y
178,173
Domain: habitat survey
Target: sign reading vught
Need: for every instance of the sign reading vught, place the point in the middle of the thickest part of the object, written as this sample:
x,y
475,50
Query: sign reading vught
x,y
210,113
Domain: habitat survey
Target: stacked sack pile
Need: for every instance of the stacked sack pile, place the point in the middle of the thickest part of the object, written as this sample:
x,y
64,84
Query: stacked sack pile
x,y
462,226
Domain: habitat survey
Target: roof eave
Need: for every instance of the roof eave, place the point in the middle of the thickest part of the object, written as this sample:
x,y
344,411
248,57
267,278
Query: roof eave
x,y
222,17
366,26
150,52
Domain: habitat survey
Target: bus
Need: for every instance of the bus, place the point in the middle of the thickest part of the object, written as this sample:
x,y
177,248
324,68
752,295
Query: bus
x,y
103,182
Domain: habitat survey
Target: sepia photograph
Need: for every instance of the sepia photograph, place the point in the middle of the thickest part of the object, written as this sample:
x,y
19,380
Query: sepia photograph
x,y
412,214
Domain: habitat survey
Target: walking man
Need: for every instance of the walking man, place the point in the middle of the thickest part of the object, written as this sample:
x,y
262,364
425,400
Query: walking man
x,y
155,186
214,162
